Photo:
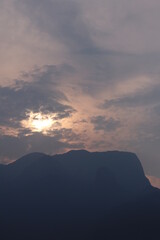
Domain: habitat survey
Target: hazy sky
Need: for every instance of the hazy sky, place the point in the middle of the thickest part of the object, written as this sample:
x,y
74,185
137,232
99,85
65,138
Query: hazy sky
x,y
80,74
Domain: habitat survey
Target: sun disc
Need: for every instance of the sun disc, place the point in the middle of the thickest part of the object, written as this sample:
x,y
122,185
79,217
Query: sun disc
x,y
38,122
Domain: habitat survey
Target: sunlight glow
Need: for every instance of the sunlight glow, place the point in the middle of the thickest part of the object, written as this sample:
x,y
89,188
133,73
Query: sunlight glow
x,y
38,122
41,123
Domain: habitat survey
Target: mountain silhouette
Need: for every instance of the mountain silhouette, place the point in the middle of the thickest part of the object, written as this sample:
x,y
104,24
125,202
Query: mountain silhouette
x,y
77,195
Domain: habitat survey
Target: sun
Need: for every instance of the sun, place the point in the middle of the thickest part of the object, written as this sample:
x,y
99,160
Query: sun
x,y
41,122
38,121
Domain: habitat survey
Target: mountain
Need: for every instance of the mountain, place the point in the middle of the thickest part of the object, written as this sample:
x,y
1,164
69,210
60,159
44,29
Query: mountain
x,y
78,194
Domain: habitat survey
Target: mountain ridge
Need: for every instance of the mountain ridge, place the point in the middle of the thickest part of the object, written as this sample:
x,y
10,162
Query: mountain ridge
x,y
81,151
78,191
124,165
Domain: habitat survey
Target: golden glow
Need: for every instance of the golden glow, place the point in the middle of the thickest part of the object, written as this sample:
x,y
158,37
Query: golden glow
x,y
39,122
154,181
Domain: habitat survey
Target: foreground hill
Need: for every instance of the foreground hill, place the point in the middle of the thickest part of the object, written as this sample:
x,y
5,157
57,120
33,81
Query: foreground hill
x,y
78,195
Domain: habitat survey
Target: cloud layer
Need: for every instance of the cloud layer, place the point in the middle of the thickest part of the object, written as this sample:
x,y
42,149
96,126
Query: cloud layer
x,y
92,66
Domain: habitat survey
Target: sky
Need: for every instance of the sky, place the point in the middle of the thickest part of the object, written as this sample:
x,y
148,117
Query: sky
x,y
80,74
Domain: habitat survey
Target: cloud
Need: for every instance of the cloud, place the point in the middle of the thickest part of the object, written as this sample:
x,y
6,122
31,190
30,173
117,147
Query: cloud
x,y
11,148
99,40
60,19
39,94
72,24
145,97
89,52
106,125
66,22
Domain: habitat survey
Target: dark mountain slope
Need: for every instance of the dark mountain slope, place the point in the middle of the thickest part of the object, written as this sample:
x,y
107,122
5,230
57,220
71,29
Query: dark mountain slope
x,y
77,195
125,166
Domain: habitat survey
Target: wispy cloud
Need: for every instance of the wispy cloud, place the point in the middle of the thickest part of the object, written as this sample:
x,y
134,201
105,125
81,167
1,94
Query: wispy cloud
x,y
107,125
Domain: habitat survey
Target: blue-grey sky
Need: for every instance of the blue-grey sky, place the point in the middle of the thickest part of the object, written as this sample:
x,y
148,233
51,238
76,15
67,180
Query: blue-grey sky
x,y
80,74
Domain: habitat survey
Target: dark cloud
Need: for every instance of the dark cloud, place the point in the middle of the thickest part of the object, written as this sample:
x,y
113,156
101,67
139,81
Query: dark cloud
x,y
65,21
12,148
37,91
156,110
48,74
146,97
60,19
40,94
104,124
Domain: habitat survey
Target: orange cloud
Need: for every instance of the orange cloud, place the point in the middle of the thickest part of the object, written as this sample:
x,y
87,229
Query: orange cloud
x,y
154,181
